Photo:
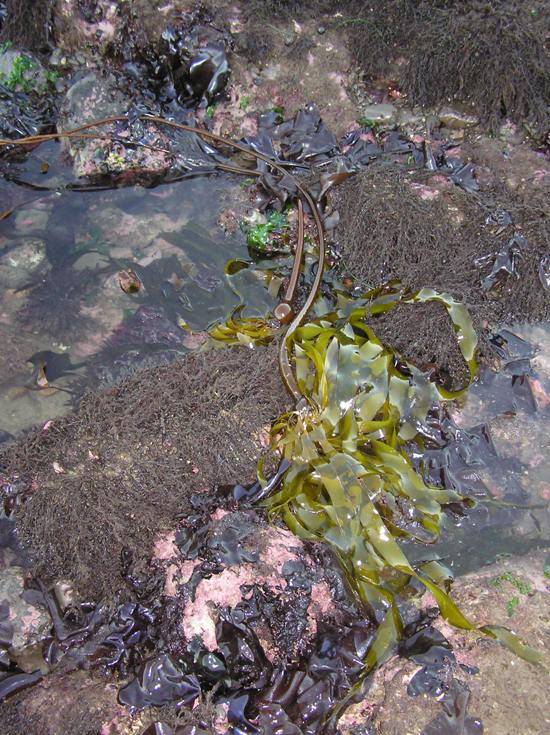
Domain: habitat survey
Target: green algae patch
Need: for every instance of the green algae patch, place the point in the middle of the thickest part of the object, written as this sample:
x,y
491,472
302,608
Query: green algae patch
x,y
269,237
522,586
507,580
511,606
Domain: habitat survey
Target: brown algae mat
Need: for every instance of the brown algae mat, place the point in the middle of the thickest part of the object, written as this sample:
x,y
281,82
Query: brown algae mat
x,y
78,702
124,466
425,232
490,54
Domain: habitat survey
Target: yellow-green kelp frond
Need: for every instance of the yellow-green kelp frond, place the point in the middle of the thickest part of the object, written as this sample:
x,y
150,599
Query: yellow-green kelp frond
x,y
351,483
243,330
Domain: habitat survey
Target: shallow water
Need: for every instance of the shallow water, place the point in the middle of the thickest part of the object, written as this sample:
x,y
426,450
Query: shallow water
x,y
61,305
511,463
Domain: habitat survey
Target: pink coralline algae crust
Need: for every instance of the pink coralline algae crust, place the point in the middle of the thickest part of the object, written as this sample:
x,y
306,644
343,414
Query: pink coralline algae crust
x,y
275,547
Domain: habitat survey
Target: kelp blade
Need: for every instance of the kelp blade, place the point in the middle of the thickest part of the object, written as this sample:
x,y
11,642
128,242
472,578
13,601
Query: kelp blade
x,y
352,484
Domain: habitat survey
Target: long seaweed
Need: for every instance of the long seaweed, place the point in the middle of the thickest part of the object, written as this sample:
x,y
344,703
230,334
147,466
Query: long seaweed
x,y
351,483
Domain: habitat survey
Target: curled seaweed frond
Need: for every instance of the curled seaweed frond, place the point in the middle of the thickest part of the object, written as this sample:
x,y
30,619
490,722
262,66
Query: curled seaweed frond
x,y
243,330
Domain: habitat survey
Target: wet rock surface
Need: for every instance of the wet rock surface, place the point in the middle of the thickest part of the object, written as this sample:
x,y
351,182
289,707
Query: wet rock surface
x,y
94,98
499,688
180,611
263,571
27,623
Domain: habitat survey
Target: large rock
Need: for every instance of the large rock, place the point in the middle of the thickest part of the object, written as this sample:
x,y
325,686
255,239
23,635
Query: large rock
x,y
95,97
251,556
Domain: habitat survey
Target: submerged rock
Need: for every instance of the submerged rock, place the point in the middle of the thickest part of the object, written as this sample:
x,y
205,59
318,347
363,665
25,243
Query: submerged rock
x,y
149,325
18,266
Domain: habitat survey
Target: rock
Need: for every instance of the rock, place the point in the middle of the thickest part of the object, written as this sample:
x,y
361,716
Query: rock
x,y
89,99
95,97
26,105
29,623
382,114
80,58
269,559
511,133
389,706
457,120
506,694
410,119
93,27
455,134
31,222
17,266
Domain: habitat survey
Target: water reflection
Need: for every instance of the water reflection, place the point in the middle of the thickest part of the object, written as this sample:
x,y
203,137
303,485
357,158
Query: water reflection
x,y
65,322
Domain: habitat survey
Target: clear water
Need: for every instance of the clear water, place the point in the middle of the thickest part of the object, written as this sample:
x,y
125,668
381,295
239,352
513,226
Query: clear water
x,y
514,416
62,308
